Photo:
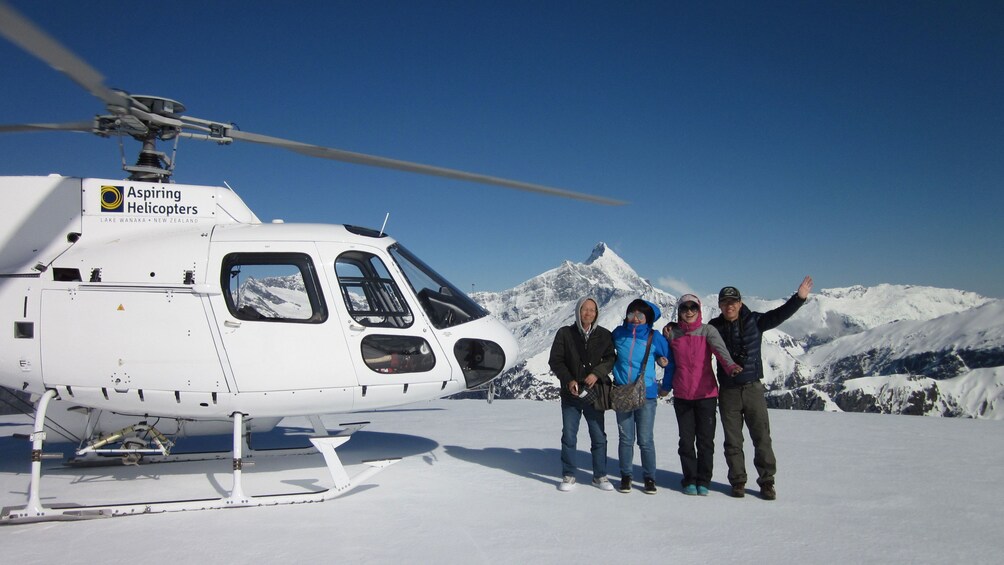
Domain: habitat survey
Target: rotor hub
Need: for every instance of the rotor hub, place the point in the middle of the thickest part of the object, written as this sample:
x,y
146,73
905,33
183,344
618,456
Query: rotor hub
x,y
159,105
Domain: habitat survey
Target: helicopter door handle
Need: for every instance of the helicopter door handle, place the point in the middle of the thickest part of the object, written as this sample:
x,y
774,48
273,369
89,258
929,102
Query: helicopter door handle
x,y
356,327
231,324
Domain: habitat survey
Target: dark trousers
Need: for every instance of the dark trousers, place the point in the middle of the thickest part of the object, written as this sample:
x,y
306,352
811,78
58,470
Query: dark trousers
x,y
746,404
697,420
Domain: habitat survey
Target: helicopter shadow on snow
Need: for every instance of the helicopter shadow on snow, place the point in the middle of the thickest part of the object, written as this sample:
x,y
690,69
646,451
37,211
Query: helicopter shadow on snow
x,y
293,453
15,451
544,465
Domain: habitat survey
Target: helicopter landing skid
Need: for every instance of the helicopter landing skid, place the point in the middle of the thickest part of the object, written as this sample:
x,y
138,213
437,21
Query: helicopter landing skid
x,y
94,458
34,511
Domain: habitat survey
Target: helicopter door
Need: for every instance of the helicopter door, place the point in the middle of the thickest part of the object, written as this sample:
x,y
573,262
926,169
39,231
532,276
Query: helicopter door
x,y
273,320
389,344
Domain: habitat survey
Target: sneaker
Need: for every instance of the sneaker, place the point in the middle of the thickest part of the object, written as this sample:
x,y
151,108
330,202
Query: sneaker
x,y
702,490
739,490
602,483
649,486
625,484
690,490
567,483
767,491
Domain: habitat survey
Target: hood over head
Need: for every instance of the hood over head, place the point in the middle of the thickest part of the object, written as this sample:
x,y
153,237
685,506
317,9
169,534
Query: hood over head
x,y
651,311
578,316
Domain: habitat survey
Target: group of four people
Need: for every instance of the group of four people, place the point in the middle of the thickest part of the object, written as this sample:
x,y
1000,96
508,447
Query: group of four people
x,y
584,355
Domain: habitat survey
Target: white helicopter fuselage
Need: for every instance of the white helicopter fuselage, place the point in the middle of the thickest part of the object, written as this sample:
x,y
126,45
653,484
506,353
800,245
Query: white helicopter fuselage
x,y
157,299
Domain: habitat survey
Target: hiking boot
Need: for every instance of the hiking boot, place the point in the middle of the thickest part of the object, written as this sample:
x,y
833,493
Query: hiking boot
x,y
567,483
690,490
702,490
767,491
649,486
625,483
602,483
739,490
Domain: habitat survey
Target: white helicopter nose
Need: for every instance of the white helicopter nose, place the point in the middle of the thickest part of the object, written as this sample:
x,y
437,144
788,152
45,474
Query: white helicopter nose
x,y
508,343
486,356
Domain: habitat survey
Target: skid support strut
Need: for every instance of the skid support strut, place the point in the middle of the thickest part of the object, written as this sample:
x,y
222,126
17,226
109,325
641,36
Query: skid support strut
x,y
34,511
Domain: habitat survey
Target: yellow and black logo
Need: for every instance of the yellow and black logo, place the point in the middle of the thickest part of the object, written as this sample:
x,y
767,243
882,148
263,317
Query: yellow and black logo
x,y
111,199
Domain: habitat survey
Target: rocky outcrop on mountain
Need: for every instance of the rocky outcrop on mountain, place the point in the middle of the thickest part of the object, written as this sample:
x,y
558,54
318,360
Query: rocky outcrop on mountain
x,y
517,382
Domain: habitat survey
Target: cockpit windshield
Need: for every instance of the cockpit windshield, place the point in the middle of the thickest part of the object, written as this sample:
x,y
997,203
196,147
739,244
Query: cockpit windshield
x,y
444,303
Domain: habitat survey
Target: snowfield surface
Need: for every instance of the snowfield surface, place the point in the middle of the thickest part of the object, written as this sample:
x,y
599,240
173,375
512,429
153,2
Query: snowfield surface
x,y
477,484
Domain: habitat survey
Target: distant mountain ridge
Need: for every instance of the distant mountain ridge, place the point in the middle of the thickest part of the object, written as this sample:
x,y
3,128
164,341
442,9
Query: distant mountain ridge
x,y
889,348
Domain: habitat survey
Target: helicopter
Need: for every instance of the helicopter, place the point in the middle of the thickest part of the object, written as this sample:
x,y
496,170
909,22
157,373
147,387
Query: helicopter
x,y
157,309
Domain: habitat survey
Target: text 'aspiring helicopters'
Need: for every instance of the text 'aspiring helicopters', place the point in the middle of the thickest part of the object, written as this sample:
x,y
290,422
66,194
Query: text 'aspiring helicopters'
x,y
160,310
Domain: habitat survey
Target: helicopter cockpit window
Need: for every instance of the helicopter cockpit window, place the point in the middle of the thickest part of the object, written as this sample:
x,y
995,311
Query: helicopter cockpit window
x,y
444,303
397,354
272,287
370,293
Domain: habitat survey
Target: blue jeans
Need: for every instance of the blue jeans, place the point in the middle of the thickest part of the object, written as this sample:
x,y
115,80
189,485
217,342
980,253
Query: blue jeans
x,y
641,421
571,413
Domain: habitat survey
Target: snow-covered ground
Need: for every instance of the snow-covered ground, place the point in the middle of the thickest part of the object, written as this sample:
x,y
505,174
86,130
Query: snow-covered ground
x,y
478,484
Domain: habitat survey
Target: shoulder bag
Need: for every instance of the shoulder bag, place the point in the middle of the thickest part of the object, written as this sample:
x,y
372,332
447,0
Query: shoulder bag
x,y
630,397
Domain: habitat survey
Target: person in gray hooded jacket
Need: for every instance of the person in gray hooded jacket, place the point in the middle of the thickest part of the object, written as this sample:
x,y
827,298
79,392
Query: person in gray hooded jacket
x,y
581,357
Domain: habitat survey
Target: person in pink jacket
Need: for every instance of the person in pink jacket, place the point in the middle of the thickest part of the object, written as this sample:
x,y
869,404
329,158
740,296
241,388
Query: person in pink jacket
x,y
695,390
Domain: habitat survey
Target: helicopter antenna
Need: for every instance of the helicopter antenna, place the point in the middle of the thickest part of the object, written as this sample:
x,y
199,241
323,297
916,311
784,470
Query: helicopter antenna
x,y
385,218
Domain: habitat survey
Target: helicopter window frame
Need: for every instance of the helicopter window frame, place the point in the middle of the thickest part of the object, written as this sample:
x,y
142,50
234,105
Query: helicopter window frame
x,y
369,292
302,262
445,304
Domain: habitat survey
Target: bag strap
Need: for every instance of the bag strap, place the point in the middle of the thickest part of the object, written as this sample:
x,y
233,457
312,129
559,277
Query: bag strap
x,y
644,359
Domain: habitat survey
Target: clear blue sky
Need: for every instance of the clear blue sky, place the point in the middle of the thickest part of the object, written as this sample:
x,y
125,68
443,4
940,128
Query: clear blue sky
x,y
860,142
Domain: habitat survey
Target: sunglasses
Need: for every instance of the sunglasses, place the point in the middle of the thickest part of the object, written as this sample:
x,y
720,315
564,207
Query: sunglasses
x,y
689,307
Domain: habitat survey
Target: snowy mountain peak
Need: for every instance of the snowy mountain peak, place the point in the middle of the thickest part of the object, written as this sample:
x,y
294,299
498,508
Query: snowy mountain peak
x,y
535,309
605,258
599,251
607,267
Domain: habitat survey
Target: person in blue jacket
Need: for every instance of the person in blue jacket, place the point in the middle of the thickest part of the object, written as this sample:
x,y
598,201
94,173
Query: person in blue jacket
x,y
630,339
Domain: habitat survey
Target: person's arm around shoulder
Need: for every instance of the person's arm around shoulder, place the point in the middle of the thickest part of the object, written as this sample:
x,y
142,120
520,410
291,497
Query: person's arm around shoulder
x,y
667,330
719,350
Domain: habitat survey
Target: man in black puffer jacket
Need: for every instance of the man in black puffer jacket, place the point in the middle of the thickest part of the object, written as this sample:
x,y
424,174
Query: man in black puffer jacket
x,y
741,397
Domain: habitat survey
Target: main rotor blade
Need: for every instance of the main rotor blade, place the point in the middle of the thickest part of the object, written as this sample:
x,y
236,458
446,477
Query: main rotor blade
x,y
383,162
86,127
25,34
